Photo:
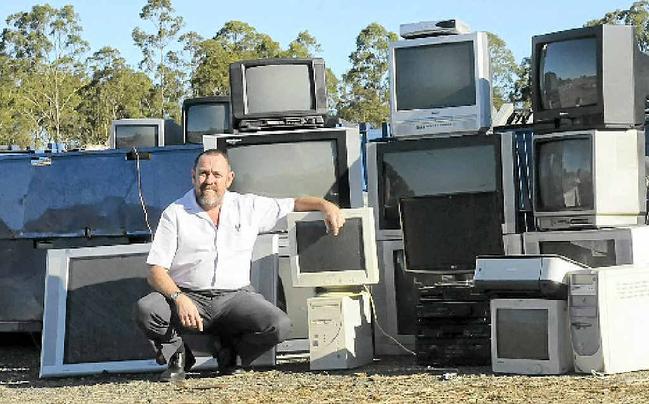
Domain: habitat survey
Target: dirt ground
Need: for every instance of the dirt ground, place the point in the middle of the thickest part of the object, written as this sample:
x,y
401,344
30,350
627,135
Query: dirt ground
x,y
395,380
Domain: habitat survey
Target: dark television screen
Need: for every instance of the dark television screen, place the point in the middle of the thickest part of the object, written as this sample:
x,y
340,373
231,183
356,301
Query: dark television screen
x,y
276,88
136,136
594,253
522,334
207,118
286,169
319,251
435,76
568,74
564,177
445,233
432,171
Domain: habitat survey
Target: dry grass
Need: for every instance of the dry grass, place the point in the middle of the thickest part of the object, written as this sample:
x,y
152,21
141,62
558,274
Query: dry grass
x,y
395,380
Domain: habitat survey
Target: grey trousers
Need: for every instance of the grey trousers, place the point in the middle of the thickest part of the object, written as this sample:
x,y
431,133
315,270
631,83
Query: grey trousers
x,y
241,319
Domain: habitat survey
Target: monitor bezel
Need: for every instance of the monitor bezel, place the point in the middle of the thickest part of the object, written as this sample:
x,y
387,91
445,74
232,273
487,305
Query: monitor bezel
x,y
238,96
443,121
214,99
159,123
335,279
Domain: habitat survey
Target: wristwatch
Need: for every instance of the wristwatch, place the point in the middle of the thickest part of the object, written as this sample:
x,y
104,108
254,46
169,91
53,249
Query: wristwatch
x,y
175,295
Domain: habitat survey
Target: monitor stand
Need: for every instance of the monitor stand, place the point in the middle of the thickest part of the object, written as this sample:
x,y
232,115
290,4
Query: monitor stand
x,y
340,329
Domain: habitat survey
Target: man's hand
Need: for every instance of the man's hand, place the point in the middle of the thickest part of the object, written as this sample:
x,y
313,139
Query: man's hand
x,y
188,313
334,218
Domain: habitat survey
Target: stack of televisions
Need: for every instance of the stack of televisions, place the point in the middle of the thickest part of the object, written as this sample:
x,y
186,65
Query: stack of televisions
x,y
575,301
442,189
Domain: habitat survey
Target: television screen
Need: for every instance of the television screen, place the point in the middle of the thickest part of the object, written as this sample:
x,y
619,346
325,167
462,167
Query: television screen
x,y
522,333
564,177
276,88
136,136
287,169
319,251
435,76
206,118
445,233
568,74
594,253
447,170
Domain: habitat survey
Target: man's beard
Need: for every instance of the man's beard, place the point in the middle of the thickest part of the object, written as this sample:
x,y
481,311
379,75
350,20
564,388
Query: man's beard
x,y
208,200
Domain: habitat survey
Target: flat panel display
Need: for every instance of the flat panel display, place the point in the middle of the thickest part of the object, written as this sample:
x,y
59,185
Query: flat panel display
x,y
594,253
435,76
275,88
127,136
569,74
564,176
319,251
522,334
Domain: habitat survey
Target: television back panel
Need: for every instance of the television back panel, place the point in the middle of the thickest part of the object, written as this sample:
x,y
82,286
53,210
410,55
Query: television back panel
x,y
608,310
595,247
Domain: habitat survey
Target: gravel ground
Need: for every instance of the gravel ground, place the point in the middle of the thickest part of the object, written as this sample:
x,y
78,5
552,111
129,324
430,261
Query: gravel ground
x,y
395,380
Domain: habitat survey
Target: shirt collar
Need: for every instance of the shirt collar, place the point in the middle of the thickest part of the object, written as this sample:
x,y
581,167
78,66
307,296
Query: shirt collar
x,y
191,205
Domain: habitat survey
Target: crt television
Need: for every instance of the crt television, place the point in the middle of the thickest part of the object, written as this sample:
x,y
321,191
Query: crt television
x,y
272,93
321,162
440,85
589,178
530,336
320,259
442,165
593,247
206,116
592,77
144,132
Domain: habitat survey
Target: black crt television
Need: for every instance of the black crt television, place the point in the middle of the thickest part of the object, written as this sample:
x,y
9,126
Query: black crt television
x,y
318,162
438,166
206,116
588,78
445,233
278,93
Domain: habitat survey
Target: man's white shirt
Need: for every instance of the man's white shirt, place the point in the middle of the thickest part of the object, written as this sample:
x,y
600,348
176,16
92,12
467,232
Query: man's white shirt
x,y
200,255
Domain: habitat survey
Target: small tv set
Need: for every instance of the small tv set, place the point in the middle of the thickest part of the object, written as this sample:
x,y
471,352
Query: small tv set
x,y
591,77
435,166
321,162
206,116
595,247
144,132
530,337
440,85
589,179
445,233
320,259
278,93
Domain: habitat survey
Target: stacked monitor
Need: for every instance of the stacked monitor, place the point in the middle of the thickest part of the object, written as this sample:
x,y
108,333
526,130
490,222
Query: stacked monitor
x,y
144,132
206,116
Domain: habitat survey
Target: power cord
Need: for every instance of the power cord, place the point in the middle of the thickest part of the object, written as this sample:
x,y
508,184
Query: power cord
x,y
139,190
376,321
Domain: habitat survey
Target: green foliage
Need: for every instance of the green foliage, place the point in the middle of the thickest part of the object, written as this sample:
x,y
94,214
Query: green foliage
x,y
637,15
364,89
522,95
503,69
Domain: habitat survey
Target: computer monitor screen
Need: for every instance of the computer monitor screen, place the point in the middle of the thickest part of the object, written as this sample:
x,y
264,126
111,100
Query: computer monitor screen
x,y
522,333
594,253
206,118
471,168
320,259
568,72
435,76
320,251
127,136
564,177
287,169
445,233
275,88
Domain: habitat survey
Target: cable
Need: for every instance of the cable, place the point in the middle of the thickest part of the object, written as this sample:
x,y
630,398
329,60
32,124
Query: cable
x,y
139,190
376,321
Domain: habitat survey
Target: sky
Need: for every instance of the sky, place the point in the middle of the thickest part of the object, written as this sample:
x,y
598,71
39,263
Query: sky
x,y
334,23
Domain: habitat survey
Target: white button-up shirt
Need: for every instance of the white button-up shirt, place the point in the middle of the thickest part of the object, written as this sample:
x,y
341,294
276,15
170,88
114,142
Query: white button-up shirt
x,y
200,255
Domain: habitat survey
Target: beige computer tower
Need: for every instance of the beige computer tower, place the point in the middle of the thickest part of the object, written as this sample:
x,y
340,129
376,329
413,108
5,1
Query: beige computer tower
x,y
340,331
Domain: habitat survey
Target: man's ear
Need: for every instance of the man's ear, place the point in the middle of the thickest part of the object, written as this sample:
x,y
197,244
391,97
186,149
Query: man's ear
x,y
193,177
230,179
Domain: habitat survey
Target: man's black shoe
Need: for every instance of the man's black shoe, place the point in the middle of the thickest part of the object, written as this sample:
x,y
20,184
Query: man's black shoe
x,y
176,369
227,361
